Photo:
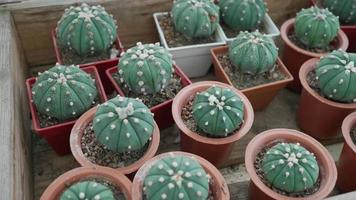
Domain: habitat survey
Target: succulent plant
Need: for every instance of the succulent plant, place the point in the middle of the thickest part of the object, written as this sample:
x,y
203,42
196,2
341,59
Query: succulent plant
x,y
345,9
89,190
242,14
146,68
290,167
123,124
218,111
195,18
176,177
64,92
86,30
316,27
253,53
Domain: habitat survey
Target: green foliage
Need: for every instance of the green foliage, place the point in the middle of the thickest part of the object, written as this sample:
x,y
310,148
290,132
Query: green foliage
x,y
88,190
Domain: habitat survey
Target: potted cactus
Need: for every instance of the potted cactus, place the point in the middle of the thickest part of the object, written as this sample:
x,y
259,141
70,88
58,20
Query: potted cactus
x,y
189,36
179,175
211,117
57,97
260,75
313,33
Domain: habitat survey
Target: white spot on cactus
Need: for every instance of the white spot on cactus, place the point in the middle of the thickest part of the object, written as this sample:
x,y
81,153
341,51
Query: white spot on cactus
x,y
206,123
180,195
81,195
160,166
163,196
139,73
73,113
287,174
199,174
199,193
49,99
112,126
170,186
47,109
97,197
273,166
129,147
110,114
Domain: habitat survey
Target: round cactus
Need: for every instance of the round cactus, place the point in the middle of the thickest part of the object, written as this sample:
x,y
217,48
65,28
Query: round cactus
x,y
336,74
242,14
123,124
89,190
218,111
176,177
290,167
195,18
253,53
64,92
316,27
86,30
146,68
345,9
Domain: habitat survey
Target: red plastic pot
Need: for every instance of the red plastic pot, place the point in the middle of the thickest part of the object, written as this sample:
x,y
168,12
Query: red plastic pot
x,y
58,135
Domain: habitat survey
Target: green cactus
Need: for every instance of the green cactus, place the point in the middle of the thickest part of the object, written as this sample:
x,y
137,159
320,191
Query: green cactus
x,y
86,30
123,124
195,18
253,53
316,27
218,111
290,167
242,14
176,177
146,68
89,190
64,92
336,75
345,9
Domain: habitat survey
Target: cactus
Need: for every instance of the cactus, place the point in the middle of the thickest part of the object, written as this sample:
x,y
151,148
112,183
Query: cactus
x,y
336,75
146,68
218,111
316,27
253,53
86,30
123,124
242,14
195,18
89,190
345,9
64,92
176,177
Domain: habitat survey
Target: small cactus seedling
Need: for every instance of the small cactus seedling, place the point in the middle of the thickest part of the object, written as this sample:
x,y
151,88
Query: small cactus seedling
x,y
64,92
88,190
86,30
195,18
290,167
176,177
123,124
218,111
253,53
316,27
345,9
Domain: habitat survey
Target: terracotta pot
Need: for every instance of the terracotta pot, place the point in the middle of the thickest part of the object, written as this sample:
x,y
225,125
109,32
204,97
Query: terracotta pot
x,y
219,188
58,186
317,116
328,173
260,96
215,150
58,135
294,56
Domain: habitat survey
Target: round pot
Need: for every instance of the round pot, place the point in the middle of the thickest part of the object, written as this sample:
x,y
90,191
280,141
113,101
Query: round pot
x,y
294,56
328,173
55,189
219,188
215,150
317,116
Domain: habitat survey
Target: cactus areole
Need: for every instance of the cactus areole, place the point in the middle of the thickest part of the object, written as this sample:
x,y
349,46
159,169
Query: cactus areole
x,y
345,9
90,190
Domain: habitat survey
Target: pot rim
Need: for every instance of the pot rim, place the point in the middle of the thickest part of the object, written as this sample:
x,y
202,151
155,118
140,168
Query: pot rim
x,y
348,123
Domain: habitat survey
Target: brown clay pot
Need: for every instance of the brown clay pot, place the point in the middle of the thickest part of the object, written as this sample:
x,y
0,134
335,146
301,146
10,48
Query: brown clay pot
x,y
294,56
260,96
317,116
328,173
58,186
215,150
219,188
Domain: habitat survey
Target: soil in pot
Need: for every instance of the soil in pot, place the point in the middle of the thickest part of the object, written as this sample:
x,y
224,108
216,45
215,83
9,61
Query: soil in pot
x,y
353,135
230,33
331,47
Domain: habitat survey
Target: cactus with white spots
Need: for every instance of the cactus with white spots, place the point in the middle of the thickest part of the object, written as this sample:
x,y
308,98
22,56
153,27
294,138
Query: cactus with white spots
x,y
345,9
176,177
89,190
64,92
290,167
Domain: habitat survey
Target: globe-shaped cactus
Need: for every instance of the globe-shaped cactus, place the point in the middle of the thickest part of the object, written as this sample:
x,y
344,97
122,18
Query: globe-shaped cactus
x,y
345,9
86,30
316,27
64,92
89,190
218,111
195,18
146,68
242,14
290,167
253,53
123,124
336,74
176,177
